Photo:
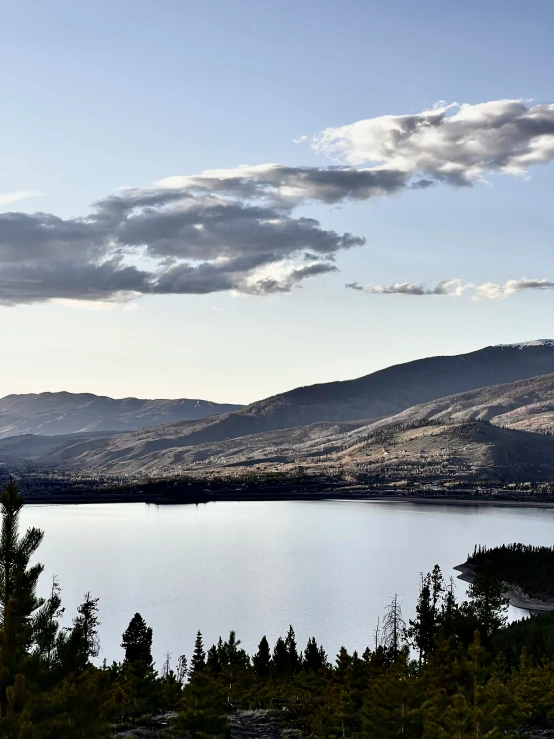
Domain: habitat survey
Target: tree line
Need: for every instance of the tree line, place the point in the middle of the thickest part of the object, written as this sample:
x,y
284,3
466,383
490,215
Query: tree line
x,y
527,567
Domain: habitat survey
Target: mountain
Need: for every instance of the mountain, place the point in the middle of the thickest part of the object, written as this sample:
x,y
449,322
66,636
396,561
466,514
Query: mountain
x,y
223,441
383,393
51,414
429,436
527,405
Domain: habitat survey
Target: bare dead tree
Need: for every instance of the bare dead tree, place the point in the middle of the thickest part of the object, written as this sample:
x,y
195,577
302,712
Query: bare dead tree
x,y
394,627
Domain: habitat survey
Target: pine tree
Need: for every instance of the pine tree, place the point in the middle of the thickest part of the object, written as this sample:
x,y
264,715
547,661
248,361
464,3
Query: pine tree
x,y
294,656
487,600
314,657
200,713
85,628
47,627
423,630
41,696
230,652
137,641
19,605
280,657
262,659
140,690
198,659
213,660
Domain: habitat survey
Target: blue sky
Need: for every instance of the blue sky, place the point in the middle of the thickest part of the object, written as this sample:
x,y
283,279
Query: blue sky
x,y
123,94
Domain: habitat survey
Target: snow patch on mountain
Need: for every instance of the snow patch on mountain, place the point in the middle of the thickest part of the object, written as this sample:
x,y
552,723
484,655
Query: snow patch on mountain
x,y
526,344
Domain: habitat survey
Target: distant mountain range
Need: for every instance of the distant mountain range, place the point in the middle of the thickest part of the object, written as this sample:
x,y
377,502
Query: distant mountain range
x,y
432,408
51,414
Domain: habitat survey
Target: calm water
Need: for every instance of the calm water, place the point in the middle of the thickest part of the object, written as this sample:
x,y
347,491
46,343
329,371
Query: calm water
x,y
328,568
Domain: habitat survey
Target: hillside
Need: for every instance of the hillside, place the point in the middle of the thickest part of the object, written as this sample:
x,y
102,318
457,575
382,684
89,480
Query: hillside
x,y
50,414
380,394
527,405
524,408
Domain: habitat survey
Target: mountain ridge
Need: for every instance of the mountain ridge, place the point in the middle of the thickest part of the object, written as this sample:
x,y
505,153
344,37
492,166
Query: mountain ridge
x,y
379,394
62,413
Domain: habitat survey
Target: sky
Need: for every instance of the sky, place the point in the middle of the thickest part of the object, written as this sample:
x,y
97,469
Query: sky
x,y
226,200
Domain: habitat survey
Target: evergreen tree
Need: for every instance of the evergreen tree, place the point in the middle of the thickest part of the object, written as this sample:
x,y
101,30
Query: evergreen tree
x,y
280,657
344,661
41,696
137,641
200,713
85,628
213,660
449,617
294,656
230,652
262,659
423,630
198,660
489,605
47,626
19,605
314,657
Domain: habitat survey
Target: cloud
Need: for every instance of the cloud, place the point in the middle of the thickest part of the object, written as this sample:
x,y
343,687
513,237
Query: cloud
x,y
495,291
156,241
268,285
6,198
290,186
453,287
300,139
456,288
451,143
229,229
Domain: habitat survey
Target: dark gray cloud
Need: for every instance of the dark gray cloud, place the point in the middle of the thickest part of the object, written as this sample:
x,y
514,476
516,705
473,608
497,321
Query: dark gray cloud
x,y
73,281
43,237
289,186
178,242
354,286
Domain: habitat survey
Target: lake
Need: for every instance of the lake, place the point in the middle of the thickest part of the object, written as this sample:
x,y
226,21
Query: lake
x,y
328,568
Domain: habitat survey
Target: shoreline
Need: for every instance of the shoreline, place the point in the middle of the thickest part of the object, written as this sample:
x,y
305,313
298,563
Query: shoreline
x,y
514,595
180,497
450,501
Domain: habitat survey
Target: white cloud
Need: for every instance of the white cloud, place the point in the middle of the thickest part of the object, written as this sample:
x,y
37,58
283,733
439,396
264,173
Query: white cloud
x,y
457,143
495,291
